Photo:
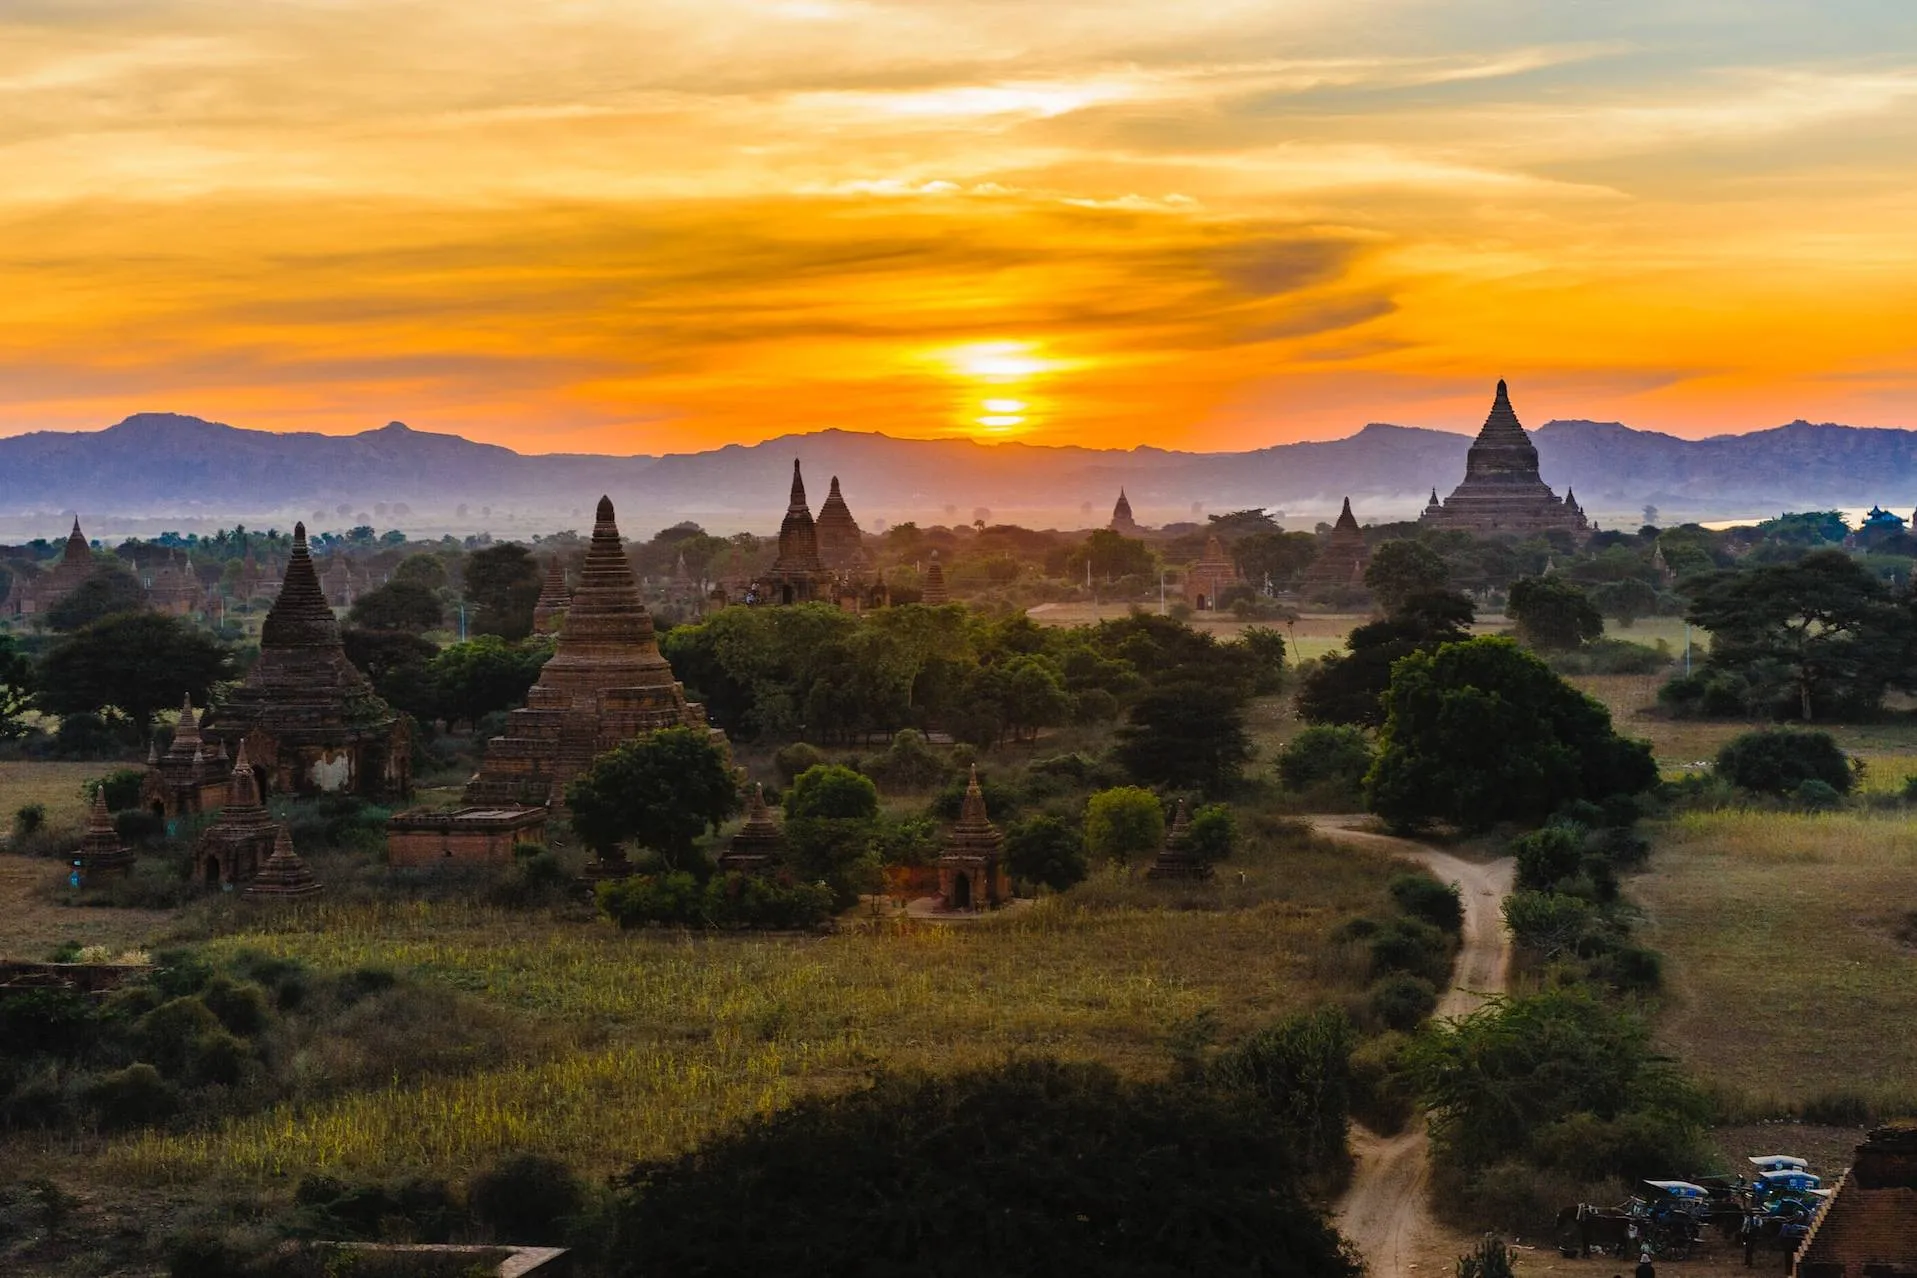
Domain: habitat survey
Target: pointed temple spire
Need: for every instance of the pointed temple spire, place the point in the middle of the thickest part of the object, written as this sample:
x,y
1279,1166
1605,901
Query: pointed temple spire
x,y
186,734
1122,521
1502,490
760,843
101,853
841,544
300,617
1177,860
550,608
934,593
971,870
1340,566
1345,518
285,873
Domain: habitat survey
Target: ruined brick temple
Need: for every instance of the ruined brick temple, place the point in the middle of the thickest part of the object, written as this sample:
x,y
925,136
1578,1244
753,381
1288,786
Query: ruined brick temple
x,y
972,872
1502,492
1340,566
311,721
1213,574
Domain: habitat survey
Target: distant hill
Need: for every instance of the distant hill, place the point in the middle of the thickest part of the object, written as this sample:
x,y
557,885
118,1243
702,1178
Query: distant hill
x,y
158,466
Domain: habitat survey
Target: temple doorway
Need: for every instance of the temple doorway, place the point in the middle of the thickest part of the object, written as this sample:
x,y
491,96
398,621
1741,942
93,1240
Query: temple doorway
x,y
961,891
212,871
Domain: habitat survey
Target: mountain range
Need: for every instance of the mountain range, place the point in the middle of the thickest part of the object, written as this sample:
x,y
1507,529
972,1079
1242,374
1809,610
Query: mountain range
x,y
167,467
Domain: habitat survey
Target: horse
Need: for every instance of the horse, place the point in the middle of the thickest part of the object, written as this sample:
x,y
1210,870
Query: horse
x,y
1585,1226
1774,1233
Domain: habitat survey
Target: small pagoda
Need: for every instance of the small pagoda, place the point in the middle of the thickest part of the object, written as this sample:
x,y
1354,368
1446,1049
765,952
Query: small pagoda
x,y
311,721
549,611
1340,565
285,873
1177,860
1502,492
933,592
799,574
972,867
101,856
190,778
1122,521
1214,574
29,594
230,852
841,543
759,845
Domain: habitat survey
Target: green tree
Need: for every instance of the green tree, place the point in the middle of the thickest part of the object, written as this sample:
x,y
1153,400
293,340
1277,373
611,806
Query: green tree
x,y
108,590
1044,849
402,605
1626,600
1111,555
1819,636
422,570
1063,1160
400,666
1781,760
1483,731
1187,735
1400,569
473,679
661,791
504,582
832,829
1214,833
1552,614
1349,689
832,791
1034,696
1325,754
1123,823
131,665
16,689
1277,557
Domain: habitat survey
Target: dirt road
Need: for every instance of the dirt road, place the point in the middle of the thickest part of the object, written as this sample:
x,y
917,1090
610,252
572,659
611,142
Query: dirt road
x,y
1384,1212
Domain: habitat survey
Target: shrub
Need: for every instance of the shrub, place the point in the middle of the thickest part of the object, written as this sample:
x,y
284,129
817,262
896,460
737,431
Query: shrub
x,y
909,763
1779,761
1817,796
1423,897
131,1097
1549,856
1299,1071
1213,833
169,1035
725,901
796,758
1630,969
122,788
1123,823
1547,923
241,1006
526,1198
137,826
1402,1001
1489,1259
28,820
831,791
1325,753
1410,945
1044,849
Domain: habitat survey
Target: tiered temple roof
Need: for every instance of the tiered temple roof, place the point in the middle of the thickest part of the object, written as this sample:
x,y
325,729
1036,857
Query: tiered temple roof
x,y
759,844
313,720
1502,491
549,611
798,575
933,591
841,545
1177,860
232,849
1214,573
285,872
102,855
607,682
29,595
1122,521
188,778
1340,566
971,868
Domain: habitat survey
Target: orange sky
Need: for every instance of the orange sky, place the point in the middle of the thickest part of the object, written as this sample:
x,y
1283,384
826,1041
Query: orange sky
x,y
660,225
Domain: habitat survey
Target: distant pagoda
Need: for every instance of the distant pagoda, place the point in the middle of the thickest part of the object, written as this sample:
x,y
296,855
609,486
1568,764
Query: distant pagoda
x,y
606,683
841,544
759,844
311,720
1177,860
933,592
549,611
972,866
101,856
1502,492
29,594
1340,566
1122,521
798,575
1214,574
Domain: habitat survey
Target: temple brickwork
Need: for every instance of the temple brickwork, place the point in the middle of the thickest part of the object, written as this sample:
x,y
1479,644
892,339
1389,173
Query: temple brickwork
x,y
1176,860
31,594
933,591
759,845
231,851
190,779
485,835
549,610
101,856
1213,574
1502,492
972,867
285,873
311,721
841,544
798,575
606,683
1340,566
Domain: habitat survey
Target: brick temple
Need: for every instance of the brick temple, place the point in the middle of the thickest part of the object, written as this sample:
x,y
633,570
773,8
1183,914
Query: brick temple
x,y
1213,574
972,867
1340,566
311,721
1502,492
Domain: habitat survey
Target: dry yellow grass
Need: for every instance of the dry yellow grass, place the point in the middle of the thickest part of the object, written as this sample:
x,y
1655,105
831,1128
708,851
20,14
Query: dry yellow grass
x,y
32,925
55,786
675,1034
1788,977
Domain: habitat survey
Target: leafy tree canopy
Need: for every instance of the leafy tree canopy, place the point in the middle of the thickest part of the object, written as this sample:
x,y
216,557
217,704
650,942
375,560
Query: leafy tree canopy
x,y
1552,614
1401,569
1482,731
409,606
1187,735
109,589
504,581
131,665
832,791
661,791
1044,849
1781,760
16,689
1350,689
1124,823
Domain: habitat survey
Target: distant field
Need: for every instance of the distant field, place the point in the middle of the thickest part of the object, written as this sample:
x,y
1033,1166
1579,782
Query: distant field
x,y
56,786
32,925
675,1034
1781,933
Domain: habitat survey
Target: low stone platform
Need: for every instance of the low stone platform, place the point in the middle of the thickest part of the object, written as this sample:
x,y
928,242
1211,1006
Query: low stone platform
x,y
476,835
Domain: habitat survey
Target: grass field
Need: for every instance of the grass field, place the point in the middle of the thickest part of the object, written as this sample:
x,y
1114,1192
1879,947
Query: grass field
x,y
56,786
1781,933
638,1044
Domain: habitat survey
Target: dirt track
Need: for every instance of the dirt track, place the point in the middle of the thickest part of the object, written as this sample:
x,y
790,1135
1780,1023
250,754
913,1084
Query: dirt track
x,y
1384,1212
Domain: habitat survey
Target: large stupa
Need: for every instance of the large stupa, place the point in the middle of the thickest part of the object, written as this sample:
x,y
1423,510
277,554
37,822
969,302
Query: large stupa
x,y
1502,492
607,682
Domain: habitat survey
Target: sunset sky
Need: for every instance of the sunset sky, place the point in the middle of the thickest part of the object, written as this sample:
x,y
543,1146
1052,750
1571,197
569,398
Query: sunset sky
x,y
660,225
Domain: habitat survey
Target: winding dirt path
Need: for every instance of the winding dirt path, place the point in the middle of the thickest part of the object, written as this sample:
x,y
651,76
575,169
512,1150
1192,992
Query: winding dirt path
x,y
1384,1212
